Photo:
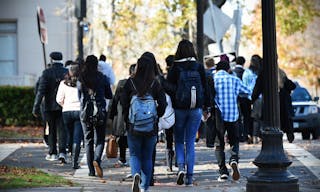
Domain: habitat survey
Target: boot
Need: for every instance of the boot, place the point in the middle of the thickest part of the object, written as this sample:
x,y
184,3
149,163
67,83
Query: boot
x,y
169,158
75,156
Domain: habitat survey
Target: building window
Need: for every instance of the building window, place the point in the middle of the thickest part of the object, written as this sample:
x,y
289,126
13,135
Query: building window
x,y
8,48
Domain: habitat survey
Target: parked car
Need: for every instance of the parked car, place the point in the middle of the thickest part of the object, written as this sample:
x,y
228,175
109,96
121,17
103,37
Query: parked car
x,y
306,113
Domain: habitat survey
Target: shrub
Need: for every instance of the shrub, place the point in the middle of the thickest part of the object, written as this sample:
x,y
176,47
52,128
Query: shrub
x,y
16,106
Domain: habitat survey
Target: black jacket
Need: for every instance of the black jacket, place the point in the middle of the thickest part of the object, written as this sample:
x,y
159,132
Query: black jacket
x,y
156,91
238,71
102,89
47,89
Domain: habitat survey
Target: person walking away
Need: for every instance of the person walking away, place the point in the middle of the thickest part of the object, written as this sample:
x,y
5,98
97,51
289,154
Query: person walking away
x,y
48,86
244,103
67,97
93,89
228,88
106,69
42,116
159,77
286,86
170,90
252,111
118,124
210,122
189,77
142,138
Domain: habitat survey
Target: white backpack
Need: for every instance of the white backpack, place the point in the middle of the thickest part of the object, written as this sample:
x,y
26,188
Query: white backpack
x,y
168,118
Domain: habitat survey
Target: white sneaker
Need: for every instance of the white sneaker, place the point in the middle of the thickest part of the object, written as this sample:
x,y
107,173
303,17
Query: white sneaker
x,y
52,157
136,183
48,157
235,170
223,177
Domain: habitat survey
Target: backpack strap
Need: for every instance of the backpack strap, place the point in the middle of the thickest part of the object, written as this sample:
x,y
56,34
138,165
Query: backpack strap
x,y
136,88
133,85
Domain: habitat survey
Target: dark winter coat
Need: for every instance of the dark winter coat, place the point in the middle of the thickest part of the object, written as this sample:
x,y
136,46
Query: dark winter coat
x,y
115,114
48,87
286,109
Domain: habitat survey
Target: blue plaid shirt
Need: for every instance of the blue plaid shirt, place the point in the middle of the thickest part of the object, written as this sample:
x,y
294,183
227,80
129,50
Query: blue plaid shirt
x,y
228,87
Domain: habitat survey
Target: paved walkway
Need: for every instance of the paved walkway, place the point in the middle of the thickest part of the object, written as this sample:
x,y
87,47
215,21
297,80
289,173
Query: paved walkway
x,y
305,166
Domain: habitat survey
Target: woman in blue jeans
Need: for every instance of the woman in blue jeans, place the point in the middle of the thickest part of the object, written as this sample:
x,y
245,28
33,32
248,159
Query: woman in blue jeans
x,y
141,147
188,101
92,82
67,97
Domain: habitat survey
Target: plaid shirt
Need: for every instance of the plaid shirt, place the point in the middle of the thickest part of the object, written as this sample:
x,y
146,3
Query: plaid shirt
x,y
228,87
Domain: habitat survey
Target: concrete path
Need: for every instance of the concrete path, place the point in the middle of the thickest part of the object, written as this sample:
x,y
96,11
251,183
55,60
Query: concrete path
x,y
305,166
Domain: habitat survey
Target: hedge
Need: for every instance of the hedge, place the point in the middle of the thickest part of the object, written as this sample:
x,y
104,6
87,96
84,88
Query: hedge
x,y
16,106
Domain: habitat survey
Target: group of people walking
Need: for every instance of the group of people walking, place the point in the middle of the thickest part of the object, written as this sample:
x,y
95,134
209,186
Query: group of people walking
x,y
76,104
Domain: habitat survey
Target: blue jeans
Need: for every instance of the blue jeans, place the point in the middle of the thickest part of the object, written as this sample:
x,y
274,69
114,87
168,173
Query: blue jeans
x,y
71,120
94,135
141,149
185,130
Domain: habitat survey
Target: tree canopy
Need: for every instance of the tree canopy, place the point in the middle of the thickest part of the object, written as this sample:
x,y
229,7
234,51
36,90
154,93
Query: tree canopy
x,y
298,37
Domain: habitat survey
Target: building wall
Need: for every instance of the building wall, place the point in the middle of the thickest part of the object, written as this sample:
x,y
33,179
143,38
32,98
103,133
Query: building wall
x,y
61,36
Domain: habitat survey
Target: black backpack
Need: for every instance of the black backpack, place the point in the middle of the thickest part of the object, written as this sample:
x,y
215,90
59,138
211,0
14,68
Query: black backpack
x,y
190,92
92,113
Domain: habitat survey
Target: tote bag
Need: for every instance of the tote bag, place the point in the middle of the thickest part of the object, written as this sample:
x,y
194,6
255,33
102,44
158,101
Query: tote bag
x,y
168,118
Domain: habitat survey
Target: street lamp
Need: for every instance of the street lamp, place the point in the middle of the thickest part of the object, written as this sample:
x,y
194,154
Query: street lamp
x,y
201,5
272,163
81,11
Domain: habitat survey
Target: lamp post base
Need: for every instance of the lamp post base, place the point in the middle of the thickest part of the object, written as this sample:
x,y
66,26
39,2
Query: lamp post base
x,y
272,174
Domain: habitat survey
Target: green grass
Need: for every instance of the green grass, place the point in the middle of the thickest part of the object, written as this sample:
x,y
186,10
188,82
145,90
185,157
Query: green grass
x,y
15,177
10,134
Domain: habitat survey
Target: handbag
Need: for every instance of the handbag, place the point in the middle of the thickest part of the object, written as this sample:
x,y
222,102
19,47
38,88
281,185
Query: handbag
x,y
168,118
112,147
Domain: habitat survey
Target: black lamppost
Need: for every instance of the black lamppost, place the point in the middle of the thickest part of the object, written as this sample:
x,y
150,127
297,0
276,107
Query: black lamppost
x,y
201,5
200,29
272,174
81,11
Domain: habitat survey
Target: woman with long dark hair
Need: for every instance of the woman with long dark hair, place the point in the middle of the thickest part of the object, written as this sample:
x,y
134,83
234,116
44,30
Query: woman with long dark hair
x,y
94,83
191,95
141,147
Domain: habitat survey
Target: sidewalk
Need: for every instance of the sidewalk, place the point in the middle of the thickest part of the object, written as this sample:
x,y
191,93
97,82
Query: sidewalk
x,y
205,171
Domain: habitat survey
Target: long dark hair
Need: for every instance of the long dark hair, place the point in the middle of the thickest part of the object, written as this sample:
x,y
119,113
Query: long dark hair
x,y
145,74
255,64
89,72
73,74
185,50
154,62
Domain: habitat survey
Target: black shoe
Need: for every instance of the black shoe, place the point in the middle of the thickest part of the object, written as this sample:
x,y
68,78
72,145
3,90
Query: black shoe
x,y
76,166
180,178
235,170
136,183
290,137
151,182
98,169
92,174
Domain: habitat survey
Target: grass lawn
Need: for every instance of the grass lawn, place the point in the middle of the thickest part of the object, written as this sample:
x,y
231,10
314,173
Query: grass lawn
x,y
26,132
15,177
